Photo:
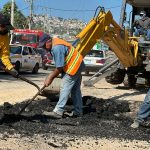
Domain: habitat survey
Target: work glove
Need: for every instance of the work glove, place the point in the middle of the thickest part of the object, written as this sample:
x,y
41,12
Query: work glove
x,y
14,72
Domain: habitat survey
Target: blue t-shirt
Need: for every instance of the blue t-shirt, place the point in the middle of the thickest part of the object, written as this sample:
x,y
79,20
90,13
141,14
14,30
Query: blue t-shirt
x,y
59,53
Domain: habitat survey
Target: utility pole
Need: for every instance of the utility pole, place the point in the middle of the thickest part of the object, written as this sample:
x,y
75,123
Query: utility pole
x,y
122,12
12,11
31,14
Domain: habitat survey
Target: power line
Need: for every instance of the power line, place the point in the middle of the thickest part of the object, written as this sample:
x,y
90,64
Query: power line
x,y
113,7
57,9
71,10
24,8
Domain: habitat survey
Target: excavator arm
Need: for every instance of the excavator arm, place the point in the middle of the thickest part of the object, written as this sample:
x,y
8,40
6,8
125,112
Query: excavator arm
x,y
104,27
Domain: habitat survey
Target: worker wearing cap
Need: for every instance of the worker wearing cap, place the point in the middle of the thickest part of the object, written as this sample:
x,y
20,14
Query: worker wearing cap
x,y
5,27
142,26
69,62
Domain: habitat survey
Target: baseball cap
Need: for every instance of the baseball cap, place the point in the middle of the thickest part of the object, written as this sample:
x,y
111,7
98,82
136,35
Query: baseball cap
x,y
142,13
5,21
43,39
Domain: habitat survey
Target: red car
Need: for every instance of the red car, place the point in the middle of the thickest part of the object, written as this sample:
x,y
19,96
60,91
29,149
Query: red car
x,y
47,59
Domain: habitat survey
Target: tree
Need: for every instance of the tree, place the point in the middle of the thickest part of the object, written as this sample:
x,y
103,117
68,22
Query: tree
x,y
20,21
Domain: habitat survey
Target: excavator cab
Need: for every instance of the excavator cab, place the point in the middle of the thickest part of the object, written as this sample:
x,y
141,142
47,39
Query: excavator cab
x,y
137,8
128,21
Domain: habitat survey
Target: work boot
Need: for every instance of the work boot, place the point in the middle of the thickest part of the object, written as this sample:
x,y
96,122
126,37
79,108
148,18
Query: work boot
x,y
135,124
52,114
116,77
72,114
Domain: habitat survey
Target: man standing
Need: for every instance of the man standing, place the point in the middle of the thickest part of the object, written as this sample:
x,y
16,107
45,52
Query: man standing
x,y
142,26
70,64
144,112
5,27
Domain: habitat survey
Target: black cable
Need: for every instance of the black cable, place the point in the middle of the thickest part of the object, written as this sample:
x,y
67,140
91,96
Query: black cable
x,y
57,9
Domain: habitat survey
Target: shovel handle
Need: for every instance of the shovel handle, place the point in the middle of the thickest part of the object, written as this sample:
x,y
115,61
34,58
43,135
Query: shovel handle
x,y
20,77
28,103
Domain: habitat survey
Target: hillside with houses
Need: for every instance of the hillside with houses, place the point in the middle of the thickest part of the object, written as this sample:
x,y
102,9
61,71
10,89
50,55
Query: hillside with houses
x,y
65,28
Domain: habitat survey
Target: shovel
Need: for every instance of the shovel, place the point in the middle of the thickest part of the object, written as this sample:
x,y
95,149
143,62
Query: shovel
x,y
30,100
20,77
9,118
28,81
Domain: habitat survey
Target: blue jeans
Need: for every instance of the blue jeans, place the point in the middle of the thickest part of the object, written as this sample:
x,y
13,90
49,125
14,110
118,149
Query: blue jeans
x,y
70,85
144,110
139,32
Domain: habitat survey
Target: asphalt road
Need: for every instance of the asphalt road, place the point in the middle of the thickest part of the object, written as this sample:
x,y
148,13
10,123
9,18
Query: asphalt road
x,y
36,78
5,77
15,90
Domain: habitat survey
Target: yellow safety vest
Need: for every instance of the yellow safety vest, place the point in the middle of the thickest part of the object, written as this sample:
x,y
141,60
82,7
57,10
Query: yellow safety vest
x,y
4,51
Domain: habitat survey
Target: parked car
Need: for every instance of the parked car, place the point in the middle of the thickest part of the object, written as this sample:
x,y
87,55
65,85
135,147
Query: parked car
x,y
25,58
47,59
94,61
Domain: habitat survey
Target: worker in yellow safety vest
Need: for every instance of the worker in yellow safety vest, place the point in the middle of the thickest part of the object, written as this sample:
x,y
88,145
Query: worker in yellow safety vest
x,y
5,27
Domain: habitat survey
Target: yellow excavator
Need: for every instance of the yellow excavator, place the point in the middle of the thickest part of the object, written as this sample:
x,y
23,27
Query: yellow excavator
x,y
105,28
132,52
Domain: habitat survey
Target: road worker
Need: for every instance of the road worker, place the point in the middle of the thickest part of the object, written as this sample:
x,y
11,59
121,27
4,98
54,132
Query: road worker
x,y
5,27
70,64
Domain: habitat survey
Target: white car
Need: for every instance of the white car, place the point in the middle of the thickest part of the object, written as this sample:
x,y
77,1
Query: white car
x,y
25,58
95,60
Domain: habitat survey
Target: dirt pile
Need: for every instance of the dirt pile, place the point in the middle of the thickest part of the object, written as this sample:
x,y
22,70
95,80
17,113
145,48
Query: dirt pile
x,y
102,118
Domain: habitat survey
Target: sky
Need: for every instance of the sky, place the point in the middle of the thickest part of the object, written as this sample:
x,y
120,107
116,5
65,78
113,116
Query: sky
x,y
78,9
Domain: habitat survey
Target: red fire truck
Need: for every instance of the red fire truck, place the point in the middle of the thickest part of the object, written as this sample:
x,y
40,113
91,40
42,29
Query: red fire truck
x,y
26,37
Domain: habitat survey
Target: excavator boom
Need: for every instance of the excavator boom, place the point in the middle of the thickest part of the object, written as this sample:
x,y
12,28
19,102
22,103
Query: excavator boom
x,y
104,27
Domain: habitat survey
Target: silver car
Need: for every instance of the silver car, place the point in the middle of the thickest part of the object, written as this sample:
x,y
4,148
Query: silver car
x,y
95,60
25,58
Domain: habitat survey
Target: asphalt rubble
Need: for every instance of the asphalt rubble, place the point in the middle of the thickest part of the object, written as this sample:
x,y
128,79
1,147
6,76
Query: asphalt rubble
x,y
103,118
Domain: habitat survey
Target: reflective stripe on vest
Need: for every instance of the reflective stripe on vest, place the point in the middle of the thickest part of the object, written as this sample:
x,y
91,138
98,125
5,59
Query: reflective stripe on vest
x,y
72,60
